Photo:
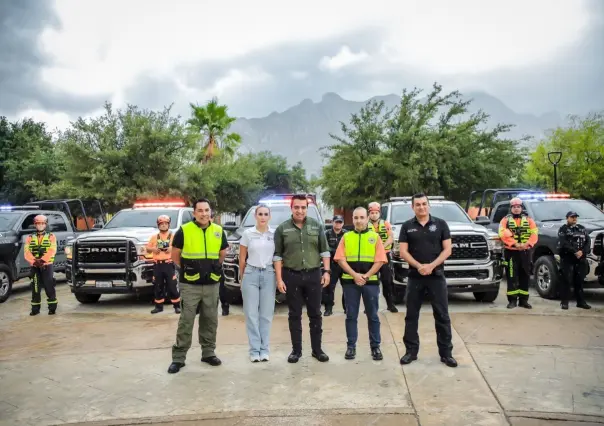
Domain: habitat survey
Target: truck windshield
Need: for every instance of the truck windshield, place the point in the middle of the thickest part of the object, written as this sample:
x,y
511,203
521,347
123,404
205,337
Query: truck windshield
x,y
447,212
279,214
557,209
141,218
7,220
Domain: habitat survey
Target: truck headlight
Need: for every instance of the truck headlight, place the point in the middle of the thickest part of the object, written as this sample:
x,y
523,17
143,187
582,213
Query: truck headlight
x,y
495,243
234,248
141,250
68,252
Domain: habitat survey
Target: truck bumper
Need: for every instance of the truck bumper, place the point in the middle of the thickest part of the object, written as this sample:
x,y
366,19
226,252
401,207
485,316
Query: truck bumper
x,y
111,281
231,274
460,278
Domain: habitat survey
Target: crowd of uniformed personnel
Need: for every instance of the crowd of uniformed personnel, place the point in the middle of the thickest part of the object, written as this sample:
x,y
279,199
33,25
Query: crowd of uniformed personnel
x,y
301,260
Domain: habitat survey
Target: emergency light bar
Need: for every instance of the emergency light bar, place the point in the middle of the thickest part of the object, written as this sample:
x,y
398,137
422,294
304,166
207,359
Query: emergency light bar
x,y
174,203
8,207
543,195
407,198
283,198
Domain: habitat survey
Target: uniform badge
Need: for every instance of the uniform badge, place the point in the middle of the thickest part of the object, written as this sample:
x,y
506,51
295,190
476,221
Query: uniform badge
x,y
432,228
217,234
371,240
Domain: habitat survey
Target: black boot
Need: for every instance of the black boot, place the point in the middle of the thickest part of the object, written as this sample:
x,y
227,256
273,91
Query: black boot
x,y
176,308
583,305
328,311
525,304
158,308
512,304
52,311
225,309
34,312
392,308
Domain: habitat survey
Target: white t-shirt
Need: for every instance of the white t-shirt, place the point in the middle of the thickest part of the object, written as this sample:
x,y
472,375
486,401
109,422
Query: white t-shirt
x,y
260,246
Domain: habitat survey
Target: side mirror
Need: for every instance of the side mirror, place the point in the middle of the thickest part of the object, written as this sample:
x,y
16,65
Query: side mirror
x,y
98,226
229,224
482,220
228,227
23,232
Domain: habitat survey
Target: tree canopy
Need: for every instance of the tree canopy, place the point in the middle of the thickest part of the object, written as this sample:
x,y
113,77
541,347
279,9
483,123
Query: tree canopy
x,y
431,145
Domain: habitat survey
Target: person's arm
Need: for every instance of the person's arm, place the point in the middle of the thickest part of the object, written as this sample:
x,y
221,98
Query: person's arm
x,y
278,259
390,239
379,260
243,243
324,249
152,245
223,248
404,249
29,257
587,245
178,243
505,234
534,230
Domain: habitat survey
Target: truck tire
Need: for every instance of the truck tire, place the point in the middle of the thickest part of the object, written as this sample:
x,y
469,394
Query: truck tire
x,y
86,298
486,296
6,282
547,277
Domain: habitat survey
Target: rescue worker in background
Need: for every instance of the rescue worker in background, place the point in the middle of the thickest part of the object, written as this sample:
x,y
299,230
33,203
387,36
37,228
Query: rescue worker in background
x,y
361,254
384,230
164,272
519,234
575,245
40,250
334,235
224,301
198,249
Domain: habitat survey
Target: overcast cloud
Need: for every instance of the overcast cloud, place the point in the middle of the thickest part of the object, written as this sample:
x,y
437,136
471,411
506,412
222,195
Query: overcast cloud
x,y
268,55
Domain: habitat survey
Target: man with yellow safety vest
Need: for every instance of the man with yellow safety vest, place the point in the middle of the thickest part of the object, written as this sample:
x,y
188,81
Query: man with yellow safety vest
x,y
519,234
198,248
40,250
164,272
384,229
361,254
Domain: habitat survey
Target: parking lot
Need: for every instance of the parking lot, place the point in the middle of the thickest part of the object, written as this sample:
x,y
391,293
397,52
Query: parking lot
x,y
106,364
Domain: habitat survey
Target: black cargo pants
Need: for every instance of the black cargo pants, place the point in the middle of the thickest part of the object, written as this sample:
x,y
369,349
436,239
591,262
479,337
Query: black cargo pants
x,y
43,277
573,273
164,283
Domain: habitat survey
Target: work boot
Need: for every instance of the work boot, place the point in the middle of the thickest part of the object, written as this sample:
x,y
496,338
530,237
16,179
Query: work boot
x,y
328,311
351,353
583,305
225,309
512,304
392,308
175,367
320,356
526,305
294,357
52,311
214,361
34,312
449,361
376,354
177,309
408,358
158,308
564,305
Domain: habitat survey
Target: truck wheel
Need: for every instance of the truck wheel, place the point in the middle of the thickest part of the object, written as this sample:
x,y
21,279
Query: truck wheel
x,y
6,282
87,298
400,291
547,277
486,296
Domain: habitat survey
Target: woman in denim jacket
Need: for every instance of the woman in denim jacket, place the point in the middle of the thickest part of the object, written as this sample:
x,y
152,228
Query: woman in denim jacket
x,y
257,275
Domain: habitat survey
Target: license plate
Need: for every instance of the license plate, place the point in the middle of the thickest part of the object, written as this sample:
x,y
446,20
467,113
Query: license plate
x,y
104,284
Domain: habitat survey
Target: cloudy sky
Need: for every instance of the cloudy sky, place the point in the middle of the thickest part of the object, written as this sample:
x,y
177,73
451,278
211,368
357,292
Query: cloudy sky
x,y
62,59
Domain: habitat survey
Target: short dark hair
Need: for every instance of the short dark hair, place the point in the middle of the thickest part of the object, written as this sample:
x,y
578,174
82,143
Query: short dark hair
x,y
298,197
201,200
418,195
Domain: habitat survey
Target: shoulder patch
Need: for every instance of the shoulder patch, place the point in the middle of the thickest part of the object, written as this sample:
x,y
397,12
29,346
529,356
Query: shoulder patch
x,y
371,240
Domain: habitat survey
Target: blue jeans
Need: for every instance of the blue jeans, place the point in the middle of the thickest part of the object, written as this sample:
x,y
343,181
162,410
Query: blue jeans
x,y
371,298
258,290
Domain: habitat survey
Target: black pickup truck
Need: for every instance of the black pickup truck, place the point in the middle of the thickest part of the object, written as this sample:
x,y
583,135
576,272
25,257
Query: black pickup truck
x,y
548,210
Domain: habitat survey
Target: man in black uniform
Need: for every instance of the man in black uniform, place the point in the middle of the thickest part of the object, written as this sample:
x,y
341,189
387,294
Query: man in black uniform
x,y
425,243
334,236
574,244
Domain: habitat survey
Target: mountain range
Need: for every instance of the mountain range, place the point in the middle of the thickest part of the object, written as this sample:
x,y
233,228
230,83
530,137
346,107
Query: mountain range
x,y
300,131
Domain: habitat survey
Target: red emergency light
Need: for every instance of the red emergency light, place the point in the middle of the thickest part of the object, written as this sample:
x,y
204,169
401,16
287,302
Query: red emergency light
x,y
159,203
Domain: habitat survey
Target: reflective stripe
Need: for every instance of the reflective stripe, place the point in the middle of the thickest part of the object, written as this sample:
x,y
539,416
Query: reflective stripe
x,y
39,250
199,255
349,277
382,231
521,232
193,277
214,276
50,302
360,258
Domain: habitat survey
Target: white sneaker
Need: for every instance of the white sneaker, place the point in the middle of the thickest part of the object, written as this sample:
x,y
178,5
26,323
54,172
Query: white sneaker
x,y
255,358
264,357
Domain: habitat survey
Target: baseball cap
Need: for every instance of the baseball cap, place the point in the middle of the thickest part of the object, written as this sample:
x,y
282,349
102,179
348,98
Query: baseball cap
x,y
571,214
338,218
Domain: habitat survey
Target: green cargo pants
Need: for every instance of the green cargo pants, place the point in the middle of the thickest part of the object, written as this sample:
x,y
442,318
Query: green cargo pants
x,y
190,296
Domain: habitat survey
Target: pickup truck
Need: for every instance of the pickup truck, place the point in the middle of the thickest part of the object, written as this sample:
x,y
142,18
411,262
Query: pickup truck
x,y
16,223
548,210
475,263
280,212
114,260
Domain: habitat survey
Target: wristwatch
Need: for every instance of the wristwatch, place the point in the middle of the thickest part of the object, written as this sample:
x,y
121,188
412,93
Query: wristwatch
x,y
328,271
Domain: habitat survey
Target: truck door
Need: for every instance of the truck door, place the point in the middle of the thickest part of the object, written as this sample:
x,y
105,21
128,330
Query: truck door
x,y
500,213
58,226
20,263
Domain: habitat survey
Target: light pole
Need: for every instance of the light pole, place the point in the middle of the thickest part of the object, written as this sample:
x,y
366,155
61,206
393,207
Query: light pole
x,y
554,157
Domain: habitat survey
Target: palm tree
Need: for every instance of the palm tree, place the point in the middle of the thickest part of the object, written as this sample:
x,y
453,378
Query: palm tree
x,y
213,122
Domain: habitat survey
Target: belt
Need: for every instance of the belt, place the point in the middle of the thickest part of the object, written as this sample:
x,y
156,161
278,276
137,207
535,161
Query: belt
x,y
163,261
301,271
258,267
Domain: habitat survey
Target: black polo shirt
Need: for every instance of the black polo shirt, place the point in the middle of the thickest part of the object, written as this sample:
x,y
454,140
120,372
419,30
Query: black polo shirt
x,y
425,242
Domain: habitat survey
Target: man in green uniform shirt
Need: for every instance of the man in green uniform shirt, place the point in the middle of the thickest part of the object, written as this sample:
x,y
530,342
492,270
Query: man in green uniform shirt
x,y
198,248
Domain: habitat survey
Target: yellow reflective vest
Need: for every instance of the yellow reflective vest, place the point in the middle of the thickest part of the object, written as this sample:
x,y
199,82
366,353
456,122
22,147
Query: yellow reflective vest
x,y
200,253
360,248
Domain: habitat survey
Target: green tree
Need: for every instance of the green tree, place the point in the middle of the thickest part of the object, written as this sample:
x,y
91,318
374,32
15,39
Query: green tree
x,y
212,122
27,160
581,168
122,155
277,175
432,145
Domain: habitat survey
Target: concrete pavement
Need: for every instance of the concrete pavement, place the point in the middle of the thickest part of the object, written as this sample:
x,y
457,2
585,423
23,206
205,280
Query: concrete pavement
x,y
106,364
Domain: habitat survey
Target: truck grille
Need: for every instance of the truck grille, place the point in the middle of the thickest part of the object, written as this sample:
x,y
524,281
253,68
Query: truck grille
x,y
469,247
478,274
599,244
104,252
